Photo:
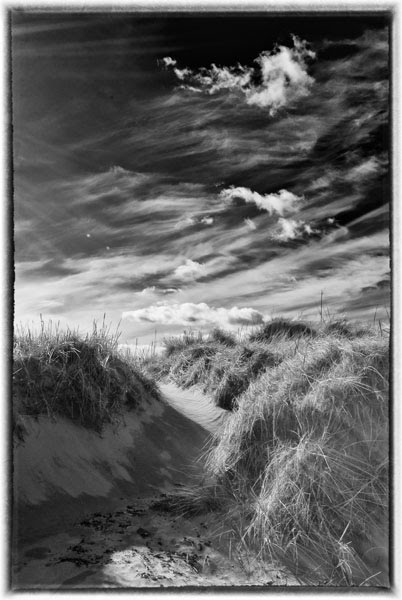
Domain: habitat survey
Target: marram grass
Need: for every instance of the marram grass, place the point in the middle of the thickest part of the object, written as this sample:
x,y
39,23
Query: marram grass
x,y
82,377
301,463
303,458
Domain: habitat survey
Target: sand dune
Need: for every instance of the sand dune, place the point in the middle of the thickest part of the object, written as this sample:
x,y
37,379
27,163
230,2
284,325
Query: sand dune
x,y
85,503
62,469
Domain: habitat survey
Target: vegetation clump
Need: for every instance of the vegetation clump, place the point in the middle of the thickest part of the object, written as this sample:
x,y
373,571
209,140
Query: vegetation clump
x,y
221,363
301,464
82,377
220,367
282,328
306,457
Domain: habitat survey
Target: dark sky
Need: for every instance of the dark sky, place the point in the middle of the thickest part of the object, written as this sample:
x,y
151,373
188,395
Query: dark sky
x,y
176,193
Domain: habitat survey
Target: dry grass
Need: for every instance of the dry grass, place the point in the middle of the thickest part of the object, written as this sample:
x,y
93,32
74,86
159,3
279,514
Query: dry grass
x,y
283,328
82,377
300,469
301,465
306,457
220,364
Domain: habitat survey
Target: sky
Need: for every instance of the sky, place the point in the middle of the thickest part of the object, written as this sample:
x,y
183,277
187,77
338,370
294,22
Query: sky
x,y
189,171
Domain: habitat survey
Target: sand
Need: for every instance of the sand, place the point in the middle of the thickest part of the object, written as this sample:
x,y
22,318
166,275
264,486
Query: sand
x,y
94,510
195,405
140,546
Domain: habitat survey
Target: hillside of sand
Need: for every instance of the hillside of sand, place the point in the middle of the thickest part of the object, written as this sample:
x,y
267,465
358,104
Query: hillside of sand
x,y
98,510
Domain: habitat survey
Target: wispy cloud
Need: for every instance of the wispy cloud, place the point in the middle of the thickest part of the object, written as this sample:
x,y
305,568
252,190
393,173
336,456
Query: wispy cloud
x,y
278,203
153,289
190,221
195,314
306,211
366,169
281,73
250,224
187,222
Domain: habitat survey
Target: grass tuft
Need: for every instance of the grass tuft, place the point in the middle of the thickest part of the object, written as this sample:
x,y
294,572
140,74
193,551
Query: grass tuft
x,y
282,328
82,377
223,337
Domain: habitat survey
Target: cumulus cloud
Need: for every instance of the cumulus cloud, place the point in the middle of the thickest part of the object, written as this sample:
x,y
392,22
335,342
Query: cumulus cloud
x,y
281,75
168,61
278,203
190,270
191,314
207,220
284,76
182,74
309,230
289,229
148,290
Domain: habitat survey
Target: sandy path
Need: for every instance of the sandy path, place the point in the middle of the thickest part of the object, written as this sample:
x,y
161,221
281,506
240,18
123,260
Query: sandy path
x,y
133,538
195,405
143,544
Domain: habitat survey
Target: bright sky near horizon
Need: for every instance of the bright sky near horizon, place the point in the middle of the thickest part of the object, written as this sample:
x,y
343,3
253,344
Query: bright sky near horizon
x,y
186,172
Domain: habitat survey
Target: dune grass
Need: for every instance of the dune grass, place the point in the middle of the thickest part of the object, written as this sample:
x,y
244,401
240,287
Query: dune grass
x,y
220,364
300,467
224,364
303,459
82,377
307,452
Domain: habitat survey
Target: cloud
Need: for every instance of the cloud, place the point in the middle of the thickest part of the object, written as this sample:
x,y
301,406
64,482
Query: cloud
x,y
282,75
368,168
216,78
309,230
182,74
168,61
207,220
190,270
190,221
157,290
250,224
289,229
187,222
279,203
148,290
50,304
191,314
